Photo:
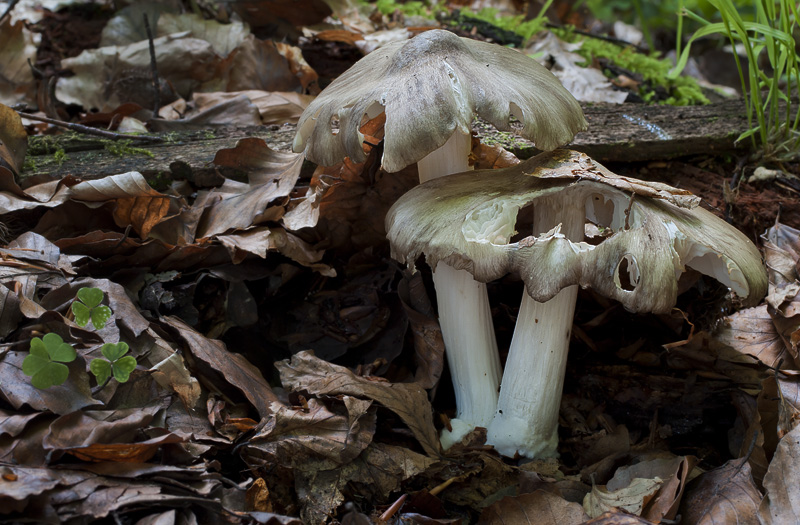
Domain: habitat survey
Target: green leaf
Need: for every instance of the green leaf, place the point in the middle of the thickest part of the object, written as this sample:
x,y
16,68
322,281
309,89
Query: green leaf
x,y
123,367
40,363
114,351
33,363
57,349
91,297
100,316
101,370
38,348
52,374
81,313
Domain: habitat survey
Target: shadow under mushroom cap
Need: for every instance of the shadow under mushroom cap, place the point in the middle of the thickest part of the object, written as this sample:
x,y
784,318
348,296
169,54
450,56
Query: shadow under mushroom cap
x,y
468,219
429,87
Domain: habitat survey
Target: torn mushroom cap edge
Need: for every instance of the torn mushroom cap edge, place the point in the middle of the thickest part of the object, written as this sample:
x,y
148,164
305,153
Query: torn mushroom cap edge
x,y
430,87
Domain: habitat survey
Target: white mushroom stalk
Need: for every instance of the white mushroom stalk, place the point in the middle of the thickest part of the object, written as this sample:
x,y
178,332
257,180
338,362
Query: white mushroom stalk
x,y
468,220
464,316
526,421
431,87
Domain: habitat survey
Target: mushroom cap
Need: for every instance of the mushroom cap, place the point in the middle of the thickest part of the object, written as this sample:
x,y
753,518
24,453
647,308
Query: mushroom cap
x,y
468,219
429,87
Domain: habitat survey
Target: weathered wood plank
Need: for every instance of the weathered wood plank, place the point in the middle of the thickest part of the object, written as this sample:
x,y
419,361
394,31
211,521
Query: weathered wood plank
x,y
625,132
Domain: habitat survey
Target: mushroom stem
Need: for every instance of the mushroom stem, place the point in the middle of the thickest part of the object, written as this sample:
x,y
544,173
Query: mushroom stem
x,y
526,421
464,315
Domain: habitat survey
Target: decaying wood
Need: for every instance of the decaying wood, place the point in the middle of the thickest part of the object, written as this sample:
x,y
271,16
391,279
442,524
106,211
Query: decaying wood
x,y
625,132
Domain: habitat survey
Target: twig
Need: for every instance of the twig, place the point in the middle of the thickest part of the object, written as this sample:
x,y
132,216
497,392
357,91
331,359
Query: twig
x,y
617,41
80,128
153,68
391,511
10,7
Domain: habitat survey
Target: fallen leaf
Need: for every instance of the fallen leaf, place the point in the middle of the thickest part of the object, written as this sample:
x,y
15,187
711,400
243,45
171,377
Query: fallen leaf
x,y
409,401
781,504
535,508
726,494
89,427
16,49
585,83
632,498
234,368
139,452
618,517
223,38
752,332
378,471
295,436
262,65
185,63
13,141
271,175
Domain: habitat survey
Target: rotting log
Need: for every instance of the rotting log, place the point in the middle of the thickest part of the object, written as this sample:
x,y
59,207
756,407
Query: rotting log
x,y
626,133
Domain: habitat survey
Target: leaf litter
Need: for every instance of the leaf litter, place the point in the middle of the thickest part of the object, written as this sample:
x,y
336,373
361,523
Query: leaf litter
x,y
278,375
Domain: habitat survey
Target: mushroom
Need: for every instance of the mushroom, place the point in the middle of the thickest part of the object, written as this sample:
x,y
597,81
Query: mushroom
x,y
430,88
468,220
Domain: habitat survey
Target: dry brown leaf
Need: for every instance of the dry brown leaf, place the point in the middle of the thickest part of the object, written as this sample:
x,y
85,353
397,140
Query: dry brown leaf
x,y
16,388
618,517
13,141
184,62
378,471
16,49
747,437
223,38
726,494
491,157
260,13
228,109
428,341
259,64
535,508
235,368
409,401
632,498
271,175
89,427
752,332
139,452
781,503
297,437
673,470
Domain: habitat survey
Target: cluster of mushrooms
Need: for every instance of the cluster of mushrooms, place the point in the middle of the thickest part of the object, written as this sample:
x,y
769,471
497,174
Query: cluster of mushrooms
x,y
430,89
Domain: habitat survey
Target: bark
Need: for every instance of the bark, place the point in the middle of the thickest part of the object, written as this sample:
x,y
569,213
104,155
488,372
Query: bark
x,y
627,132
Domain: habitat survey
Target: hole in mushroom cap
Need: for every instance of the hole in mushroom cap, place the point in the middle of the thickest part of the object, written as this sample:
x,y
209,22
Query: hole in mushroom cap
x,y
626,274
373,121
524,224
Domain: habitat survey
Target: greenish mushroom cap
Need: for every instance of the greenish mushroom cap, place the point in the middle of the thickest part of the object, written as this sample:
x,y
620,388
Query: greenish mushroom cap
x,y
468,219
429,87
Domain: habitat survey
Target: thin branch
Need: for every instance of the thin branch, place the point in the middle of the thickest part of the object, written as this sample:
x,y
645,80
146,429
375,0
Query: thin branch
x,y
8,10
89,130
153,68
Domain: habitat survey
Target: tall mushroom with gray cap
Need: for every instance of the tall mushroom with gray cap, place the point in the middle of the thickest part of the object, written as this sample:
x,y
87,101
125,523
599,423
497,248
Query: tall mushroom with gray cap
x,y
467,221
430,88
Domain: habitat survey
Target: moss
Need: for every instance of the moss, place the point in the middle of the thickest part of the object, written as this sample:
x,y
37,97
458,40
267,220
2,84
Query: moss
x,y
513,24
60,156
122,148
413,8
682,91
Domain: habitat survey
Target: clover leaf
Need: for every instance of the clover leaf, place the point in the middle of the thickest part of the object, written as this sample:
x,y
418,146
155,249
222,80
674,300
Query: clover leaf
x,y
118,364
88,307
44,363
